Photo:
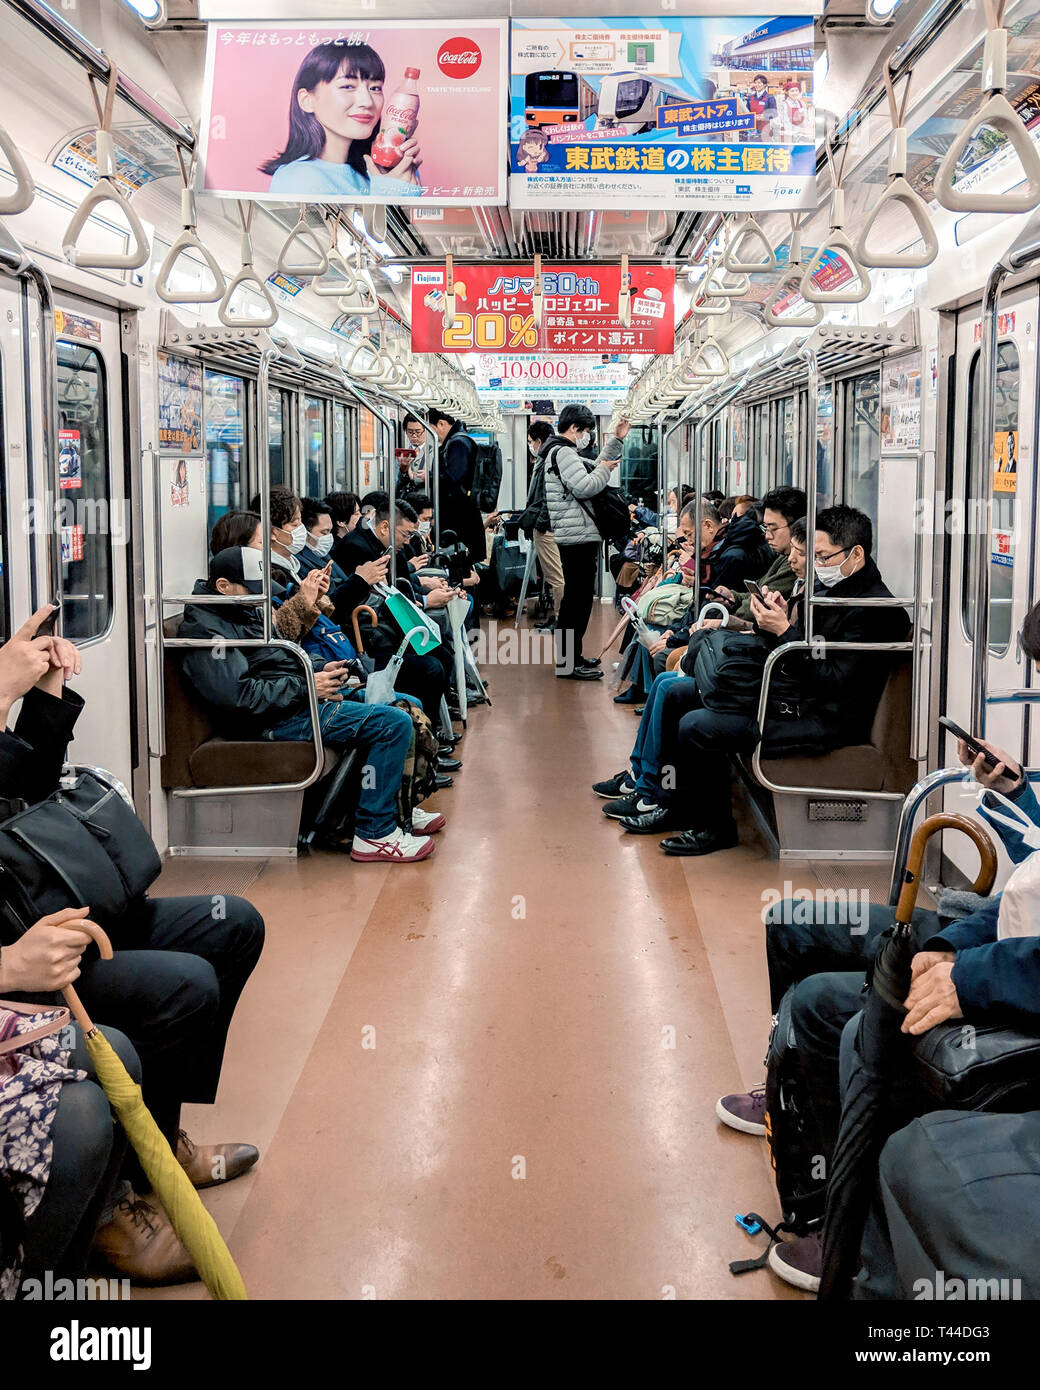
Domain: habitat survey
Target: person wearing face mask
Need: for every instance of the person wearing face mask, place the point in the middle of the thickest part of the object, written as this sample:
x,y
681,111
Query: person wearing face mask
x,y
569,485
457,467
535,522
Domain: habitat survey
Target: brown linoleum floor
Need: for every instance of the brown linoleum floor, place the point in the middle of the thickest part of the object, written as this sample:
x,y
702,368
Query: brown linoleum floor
x,y
521,1127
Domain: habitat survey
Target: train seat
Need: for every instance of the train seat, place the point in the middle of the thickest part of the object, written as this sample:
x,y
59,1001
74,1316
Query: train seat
x,y
815,825
197,757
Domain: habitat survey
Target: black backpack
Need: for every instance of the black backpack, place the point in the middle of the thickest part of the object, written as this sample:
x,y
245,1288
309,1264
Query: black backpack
x,y
487,476
791,1137
607,510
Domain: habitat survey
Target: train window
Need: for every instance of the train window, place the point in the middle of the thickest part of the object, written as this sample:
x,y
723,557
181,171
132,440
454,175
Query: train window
x,y
276,436
85,482
339,446
984,486
225,443
759,480
314,428
862,443
824,447
786,432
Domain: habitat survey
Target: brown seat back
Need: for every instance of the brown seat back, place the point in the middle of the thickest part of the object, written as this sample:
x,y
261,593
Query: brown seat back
x,y
187,723
890,731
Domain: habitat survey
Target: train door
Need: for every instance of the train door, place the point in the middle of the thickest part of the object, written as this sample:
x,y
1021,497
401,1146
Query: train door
x,y
94,512
1000,478
18,595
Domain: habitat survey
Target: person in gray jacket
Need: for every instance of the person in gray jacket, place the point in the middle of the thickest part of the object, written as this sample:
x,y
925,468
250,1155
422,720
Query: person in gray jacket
x,y
570,483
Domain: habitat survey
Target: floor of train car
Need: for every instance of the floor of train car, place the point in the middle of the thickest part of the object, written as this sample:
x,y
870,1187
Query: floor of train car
x,y
518,985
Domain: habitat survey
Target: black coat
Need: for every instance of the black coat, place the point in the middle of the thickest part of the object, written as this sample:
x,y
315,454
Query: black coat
x,y
31,757
741,554
458,511
838,692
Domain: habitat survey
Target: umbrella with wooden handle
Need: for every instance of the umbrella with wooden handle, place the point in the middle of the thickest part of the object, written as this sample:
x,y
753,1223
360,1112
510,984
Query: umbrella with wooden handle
x,y
193,1224
867,1116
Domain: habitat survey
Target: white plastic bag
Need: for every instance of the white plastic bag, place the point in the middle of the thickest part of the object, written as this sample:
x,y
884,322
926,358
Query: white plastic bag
x,y
1019,911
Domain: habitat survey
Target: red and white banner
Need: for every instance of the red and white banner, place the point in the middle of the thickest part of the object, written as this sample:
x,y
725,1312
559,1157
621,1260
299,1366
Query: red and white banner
x,y
493,310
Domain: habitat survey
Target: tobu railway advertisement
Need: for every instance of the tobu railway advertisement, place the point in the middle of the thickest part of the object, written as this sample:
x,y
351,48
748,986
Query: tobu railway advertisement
x,y
367,111
712,112
494,311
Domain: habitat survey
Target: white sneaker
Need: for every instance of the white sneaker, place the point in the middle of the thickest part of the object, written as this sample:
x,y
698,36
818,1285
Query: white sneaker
x,y
427,822
396,848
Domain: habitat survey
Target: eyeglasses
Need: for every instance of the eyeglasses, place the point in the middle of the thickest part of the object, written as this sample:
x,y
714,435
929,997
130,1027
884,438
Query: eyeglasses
x,y
771,528
822,559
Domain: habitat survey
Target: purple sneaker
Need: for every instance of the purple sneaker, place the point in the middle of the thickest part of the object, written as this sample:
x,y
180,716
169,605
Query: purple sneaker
x,y
746,1112
799,1261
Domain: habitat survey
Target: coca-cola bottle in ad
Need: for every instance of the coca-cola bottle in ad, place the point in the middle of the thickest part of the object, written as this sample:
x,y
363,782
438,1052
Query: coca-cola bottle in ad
x,y
400,117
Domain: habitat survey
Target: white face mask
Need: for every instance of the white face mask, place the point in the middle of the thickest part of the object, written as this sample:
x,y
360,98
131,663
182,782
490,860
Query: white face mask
x,y
298,538
424,528
583,439
324,544
829,575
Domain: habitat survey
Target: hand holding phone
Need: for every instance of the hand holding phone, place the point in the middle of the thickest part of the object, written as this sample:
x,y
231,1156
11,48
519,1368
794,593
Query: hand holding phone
x,y
753,587
972,745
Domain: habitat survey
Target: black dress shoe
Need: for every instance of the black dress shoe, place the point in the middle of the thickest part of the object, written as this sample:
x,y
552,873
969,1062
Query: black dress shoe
x,y
449,764
580,673
632,696
441,781
589,661
693,842
647,822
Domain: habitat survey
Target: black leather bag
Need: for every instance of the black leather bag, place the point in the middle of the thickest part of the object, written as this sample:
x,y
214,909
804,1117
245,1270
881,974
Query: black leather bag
x,y
964,1067
82,847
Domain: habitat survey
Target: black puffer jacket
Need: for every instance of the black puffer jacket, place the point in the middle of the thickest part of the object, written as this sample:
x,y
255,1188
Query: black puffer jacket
x,y
247,690
741,553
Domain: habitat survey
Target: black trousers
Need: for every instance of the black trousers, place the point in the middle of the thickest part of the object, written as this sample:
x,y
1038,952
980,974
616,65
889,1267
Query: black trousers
x,y
580,565
823,950
696,746
179,967
423,675
86,1155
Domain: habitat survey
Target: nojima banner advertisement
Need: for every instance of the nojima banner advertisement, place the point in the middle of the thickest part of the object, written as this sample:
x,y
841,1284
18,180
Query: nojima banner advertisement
x,y
494,311
713,112
379,111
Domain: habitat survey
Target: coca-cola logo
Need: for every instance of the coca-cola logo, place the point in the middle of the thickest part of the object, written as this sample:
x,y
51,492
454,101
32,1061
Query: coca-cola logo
x,y
458,58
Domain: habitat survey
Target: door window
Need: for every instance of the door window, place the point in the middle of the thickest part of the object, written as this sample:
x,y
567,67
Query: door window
x,y
862,443
225,442
276,436
785,456
994,482
314,426
88,523
824,448
339,447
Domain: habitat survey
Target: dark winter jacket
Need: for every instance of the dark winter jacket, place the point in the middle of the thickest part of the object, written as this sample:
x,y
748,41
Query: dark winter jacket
x,y
741,553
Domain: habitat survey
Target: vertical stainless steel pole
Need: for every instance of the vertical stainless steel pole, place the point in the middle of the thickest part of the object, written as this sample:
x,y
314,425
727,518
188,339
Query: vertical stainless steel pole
x,y
263,459
812,482
983,537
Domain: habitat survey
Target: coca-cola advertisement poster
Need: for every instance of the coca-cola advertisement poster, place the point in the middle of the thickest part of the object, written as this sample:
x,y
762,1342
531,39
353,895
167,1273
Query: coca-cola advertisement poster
x,y
715,111
494,311
361,112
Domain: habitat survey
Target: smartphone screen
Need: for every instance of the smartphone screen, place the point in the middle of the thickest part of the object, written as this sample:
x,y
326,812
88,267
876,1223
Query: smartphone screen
x,y
754,588
974,746
46,628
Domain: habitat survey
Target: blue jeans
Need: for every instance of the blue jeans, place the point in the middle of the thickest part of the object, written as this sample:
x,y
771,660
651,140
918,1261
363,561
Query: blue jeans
x,y
383,734
646,752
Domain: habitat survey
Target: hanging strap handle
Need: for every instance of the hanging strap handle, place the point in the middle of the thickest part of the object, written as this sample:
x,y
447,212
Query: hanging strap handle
x,y
247,275
367,301
25,189
996,111
898,190
625,295
790,280
189,240
537,299
449,291
106,190
660,226
303,233
837,243
747,233
332,289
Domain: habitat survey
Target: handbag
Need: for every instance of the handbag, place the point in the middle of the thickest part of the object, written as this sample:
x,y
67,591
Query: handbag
x,y
985,1067
82,847
606,510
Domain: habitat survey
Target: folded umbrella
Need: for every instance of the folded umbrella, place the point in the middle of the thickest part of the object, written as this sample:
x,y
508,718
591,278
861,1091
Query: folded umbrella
x,y
195,1228
867,1117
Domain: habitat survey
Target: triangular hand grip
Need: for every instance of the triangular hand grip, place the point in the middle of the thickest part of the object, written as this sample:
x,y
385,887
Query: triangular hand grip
x,y
837,242
104,191
189,239
332,289
710,310
899,190
364,343
25,190
717,290
702,365
749,233
368,300
246,276
786,285
999,114
319,262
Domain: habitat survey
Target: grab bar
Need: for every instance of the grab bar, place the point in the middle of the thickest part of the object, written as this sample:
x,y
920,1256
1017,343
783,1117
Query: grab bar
x,y
750,230
25,188
246,275
899,190
189,238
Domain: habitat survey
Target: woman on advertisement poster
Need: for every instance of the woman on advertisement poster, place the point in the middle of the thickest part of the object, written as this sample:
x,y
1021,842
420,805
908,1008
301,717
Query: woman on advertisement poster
x,y
334,141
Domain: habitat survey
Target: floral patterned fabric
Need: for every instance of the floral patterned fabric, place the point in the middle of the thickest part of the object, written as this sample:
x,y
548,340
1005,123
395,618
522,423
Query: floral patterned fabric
x,y
31,1079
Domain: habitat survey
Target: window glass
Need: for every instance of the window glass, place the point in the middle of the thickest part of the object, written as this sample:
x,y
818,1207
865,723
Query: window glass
x,y
339,447
996,481
225,436
314,427
785,457
638,468
759,482
276,436
84,481
862,444
825,448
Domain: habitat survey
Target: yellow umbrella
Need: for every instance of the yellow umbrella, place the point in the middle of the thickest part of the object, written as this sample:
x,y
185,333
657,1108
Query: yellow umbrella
x,y
195,1227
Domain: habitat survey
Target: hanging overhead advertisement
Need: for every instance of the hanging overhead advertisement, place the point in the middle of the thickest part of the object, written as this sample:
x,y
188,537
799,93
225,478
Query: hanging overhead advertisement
x,y
494,311
711,112
378,111
504,375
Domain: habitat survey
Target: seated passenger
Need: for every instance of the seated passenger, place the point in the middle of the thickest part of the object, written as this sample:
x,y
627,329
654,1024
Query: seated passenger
x,y
345,509
262,693
321,537
740,551
637,791
175,979
816,702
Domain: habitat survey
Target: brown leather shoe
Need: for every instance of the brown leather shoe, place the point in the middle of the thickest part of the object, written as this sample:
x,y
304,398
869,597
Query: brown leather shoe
x,y
140,1244
210,1164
